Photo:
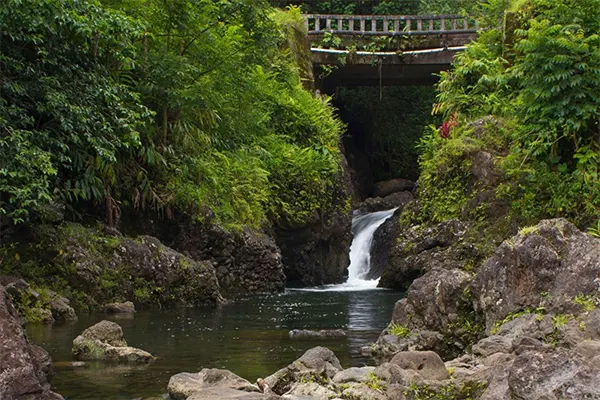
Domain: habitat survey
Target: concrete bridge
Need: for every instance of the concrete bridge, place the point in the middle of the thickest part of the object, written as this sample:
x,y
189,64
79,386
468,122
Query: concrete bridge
x,y
399,50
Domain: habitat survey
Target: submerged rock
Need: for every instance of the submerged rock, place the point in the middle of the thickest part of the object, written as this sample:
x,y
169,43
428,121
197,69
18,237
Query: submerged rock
x,y
25,369
118,308
104,341
322,334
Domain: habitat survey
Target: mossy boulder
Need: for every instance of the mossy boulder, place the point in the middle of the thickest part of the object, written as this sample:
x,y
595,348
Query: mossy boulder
x,y
104,341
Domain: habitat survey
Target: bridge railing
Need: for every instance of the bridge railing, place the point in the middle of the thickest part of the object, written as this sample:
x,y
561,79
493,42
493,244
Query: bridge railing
x,y
389,25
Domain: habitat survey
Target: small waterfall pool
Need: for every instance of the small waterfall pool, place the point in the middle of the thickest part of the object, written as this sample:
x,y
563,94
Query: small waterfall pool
x,y
249,337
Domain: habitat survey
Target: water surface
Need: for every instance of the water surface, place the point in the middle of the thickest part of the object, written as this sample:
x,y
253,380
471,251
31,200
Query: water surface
x,y
249,337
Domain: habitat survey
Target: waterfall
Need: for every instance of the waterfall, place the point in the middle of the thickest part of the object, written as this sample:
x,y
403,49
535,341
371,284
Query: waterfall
x,y
363,229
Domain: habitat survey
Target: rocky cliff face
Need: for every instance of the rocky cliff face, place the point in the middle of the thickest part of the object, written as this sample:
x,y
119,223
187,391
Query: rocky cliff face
x,y
246,262
316,253
25,369
526,325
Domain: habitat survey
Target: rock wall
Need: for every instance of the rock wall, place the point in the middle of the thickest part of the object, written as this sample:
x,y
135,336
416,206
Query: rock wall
x,y
246,262
25,369
316,253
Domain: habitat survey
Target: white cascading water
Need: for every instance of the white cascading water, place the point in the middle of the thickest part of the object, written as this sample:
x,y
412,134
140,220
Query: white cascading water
x,y
363,229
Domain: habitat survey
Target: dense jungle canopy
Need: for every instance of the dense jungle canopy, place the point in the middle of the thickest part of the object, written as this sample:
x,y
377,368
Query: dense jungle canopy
x,y
198,108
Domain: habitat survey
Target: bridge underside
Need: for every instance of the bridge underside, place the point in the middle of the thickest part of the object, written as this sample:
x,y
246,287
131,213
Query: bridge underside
x,y
391,70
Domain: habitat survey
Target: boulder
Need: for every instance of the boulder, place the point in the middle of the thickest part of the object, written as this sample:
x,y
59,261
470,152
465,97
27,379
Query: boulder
x,y
353,374
104,341
491,345
118,308
218,393
427,363
321,334
363,392
418,250
60,308
556,375
102,265
184,385
317,364
385,188
547,265
25,369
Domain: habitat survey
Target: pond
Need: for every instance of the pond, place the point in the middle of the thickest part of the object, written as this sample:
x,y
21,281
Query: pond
x,y
248,337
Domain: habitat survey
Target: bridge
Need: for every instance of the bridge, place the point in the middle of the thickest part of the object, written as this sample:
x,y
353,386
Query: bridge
x,y
399,50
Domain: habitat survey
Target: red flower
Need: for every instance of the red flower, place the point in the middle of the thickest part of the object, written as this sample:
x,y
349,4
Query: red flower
x,y
447,126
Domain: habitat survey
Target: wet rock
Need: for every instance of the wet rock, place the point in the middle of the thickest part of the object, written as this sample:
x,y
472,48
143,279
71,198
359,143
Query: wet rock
x,y
184,385
553,258
385,188
353,374
384,240
25,369
229,394
317,364
316,253
322,334
104,341
374,204
427,363
118,308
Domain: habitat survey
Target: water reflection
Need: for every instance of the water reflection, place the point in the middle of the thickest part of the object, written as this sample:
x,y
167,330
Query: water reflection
x,y
248,337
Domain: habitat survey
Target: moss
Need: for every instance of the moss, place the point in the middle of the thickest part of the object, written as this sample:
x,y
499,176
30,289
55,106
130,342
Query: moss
x,y
374,383
529,230
587,302
450,391
539,311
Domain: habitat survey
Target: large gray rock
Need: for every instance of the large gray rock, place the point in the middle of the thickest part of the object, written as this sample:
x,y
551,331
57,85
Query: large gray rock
x,y
353,374
418,250
556,375
184,385
427,363
104,266
311,390
317,364
104,341
547,265
25,369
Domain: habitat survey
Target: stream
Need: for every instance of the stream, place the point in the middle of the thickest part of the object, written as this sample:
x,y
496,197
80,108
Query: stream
x,y
248,337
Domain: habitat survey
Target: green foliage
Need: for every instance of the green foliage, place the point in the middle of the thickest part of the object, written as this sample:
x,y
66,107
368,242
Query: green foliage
x,y
588,302
188,107
399,330
65,117
374,383
543,84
